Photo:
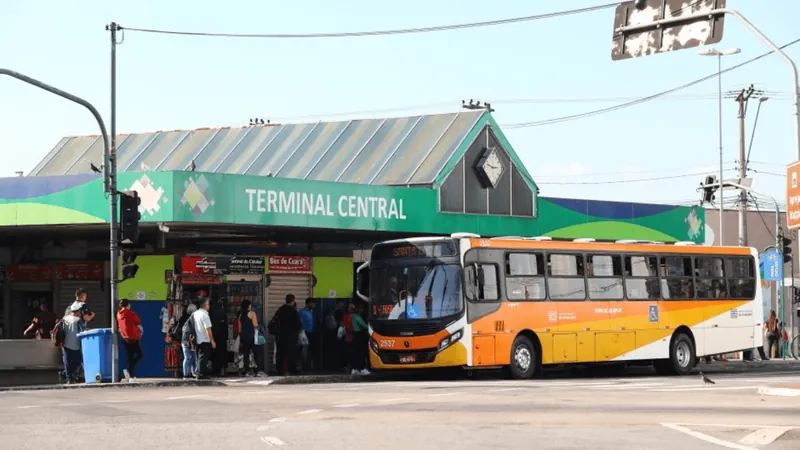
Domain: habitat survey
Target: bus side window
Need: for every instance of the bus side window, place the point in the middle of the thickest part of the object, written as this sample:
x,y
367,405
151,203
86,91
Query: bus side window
x,y
710,278
604,277
641,277
741,275
677,282
525,276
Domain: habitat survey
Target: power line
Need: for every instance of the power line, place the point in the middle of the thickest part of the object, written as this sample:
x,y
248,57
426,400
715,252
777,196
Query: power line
x,y
641,100
632,172
636,180
460,26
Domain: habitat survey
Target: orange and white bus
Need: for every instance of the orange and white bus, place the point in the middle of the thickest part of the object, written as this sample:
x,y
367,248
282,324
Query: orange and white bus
x,y
524,303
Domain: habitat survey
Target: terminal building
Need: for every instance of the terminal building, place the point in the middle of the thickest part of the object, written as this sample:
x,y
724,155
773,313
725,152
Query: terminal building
x,y
261,211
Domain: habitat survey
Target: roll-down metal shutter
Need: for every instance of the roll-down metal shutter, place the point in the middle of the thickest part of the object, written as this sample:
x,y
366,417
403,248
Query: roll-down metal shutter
x,y
17,321
97,300
299,285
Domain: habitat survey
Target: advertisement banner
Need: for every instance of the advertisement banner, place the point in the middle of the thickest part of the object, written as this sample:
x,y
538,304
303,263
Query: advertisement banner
x,y
223,265
80,271
295,265
29,272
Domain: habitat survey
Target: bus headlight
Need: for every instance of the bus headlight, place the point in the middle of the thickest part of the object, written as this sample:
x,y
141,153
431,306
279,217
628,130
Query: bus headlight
x,y
374,345
450,340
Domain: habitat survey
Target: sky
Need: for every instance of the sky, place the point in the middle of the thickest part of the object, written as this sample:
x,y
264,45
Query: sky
x,y
529,71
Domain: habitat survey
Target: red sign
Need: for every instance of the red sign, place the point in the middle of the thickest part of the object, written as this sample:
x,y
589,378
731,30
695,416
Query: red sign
x,y
81,271
201,279
296,265
793,196
29,272
198,264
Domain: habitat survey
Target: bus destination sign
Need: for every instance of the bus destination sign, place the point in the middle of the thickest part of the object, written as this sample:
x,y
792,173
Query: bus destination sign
x,y
413,250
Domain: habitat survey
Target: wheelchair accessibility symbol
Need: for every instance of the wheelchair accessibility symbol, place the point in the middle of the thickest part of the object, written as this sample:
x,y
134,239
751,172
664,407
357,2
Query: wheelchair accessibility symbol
x,y
653,313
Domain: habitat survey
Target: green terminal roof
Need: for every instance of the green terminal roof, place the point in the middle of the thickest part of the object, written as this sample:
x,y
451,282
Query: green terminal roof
x,y
396,151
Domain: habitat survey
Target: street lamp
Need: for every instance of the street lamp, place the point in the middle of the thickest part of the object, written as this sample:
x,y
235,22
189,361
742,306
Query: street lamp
x,y
719,55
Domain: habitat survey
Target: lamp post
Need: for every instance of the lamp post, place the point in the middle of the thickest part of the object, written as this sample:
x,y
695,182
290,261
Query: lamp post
x,y
719,54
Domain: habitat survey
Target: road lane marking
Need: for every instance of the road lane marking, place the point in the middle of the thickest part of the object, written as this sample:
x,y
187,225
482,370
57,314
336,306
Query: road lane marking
x,y
182,397
347,405
62,405
506,389
764,436
29,406
278,420
263,428
446,394
114,401
706,438
706,388
391,400
627,386
309,411
273,441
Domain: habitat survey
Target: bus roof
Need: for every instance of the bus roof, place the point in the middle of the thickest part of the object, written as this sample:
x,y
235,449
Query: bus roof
x,y
608,246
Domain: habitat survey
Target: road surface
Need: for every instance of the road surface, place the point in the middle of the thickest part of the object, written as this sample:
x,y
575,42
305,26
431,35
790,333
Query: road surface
x,y
637,413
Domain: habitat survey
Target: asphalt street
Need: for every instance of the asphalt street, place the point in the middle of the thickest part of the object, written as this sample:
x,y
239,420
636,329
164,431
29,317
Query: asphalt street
x,y
637,413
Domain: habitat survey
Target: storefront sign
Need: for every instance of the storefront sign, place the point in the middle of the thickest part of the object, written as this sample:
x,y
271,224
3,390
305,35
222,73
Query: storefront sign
x,y
223,265
319,204
246,265
195,279
29,272
81,271
299,265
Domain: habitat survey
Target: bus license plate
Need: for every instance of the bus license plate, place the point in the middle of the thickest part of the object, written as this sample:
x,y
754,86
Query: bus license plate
x,y
408,359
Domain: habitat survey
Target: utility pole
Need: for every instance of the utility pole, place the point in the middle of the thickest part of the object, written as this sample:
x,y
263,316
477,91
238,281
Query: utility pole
x,y
111,189
741,99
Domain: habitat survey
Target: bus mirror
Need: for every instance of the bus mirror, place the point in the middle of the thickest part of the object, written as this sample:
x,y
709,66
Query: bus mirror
x,y
362,282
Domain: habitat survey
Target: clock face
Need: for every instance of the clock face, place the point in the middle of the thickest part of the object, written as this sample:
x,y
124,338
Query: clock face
x,y
491,167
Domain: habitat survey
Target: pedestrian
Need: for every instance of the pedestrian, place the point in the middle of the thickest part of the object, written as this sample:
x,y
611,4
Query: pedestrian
x,y
772,334
310,343
188,344
71,343
130,328
42,323
248,326
358,343
285,326
205,338
81,297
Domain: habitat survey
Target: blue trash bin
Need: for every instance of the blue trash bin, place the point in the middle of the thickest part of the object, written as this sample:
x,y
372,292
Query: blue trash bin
x,y
96,350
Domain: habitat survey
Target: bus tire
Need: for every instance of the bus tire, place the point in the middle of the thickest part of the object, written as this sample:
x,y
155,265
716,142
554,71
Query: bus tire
x,y
523,359
682,354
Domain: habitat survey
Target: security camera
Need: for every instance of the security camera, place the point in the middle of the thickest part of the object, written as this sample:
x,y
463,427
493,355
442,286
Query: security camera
x,y
640,4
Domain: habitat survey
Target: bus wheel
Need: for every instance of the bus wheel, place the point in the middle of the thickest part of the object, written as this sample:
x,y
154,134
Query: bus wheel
x,y
682,354
523,359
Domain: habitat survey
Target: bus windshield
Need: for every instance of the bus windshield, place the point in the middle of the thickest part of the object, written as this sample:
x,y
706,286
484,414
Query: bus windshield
x,y
429,291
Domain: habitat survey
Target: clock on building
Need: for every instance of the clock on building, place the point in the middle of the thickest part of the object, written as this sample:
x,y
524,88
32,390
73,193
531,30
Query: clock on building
x,y
490,167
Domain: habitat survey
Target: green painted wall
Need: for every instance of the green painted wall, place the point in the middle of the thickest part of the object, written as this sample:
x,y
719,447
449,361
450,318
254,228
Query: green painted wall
x,y
333,274
149,280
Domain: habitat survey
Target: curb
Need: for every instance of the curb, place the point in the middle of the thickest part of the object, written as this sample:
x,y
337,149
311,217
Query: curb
x,y
319,379
143,384
779,392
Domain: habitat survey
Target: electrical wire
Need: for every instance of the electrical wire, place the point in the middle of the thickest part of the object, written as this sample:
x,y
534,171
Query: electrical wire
x,y
761,215
596,112
399,31
637,180
632,172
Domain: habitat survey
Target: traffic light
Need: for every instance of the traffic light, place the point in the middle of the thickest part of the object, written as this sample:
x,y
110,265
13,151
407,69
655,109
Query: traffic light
x,y
795,295
707,195
129,216
787,249
129,269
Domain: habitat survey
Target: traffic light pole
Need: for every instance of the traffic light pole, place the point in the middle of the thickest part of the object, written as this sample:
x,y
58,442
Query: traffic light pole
x,y
111,182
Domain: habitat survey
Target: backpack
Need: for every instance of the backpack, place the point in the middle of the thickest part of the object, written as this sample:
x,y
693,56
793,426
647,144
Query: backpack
x,y
274,326
189,333
175,332
330,322
57,334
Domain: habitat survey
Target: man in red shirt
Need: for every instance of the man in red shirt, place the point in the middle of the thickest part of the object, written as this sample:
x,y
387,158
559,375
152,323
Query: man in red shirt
x,y
130,328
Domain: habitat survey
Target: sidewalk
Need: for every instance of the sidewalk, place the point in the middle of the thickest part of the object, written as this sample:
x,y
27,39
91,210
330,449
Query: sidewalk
x,y
141,383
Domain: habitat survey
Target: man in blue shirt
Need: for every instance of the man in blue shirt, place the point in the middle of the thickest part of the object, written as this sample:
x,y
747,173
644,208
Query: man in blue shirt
x,y
309,347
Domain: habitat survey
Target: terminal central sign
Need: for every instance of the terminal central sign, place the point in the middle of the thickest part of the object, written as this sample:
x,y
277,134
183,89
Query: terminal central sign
x,y
319,204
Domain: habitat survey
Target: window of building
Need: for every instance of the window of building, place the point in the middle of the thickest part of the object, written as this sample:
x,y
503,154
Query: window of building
x,y
641,277
566,277
677,282
482,282
741,277
525,276
709,278
604,277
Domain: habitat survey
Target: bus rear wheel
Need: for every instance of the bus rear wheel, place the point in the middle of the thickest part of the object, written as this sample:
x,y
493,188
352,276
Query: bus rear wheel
x,y
682,354
523,359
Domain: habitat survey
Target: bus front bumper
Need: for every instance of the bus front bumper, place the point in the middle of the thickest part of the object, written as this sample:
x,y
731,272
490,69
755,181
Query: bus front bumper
x,y
452,356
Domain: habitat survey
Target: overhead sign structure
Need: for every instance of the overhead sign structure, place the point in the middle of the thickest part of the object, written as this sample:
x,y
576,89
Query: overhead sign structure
x,y
772,265
793,196
643,28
